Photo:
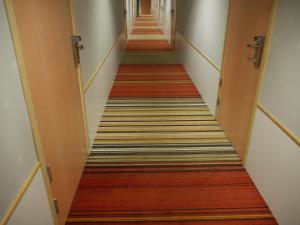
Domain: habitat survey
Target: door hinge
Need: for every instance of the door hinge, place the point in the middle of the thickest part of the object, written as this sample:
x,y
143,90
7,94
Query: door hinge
x,y
220,83
76,46
49,172
55,202
172,12
218,101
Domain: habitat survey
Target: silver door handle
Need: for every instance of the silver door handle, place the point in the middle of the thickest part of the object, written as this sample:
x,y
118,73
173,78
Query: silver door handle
x,y
76,46
79,46
252,46
259,42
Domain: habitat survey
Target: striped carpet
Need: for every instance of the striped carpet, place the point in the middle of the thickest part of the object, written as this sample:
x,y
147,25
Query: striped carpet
x,y
147,31
160,156
147,36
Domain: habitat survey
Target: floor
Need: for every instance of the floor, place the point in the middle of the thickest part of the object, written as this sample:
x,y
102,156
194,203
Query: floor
x,y
160,156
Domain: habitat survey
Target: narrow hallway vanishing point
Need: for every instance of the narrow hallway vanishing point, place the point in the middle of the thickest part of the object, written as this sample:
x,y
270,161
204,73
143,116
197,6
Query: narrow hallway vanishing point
x,y
159,154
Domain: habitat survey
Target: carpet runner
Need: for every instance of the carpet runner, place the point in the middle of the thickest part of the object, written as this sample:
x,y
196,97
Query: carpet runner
x,y
160,156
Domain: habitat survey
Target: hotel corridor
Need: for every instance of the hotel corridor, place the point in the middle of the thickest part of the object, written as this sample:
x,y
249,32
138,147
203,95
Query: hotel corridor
x,y
149,112
160,156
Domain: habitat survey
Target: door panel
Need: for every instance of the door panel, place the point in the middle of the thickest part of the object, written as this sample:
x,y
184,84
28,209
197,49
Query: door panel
x,y
44,30
240,76
146,6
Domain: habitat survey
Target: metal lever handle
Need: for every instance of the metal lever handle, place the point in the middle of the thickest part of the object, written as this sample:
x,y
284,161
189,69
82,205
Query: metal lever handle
x,y
79,46
252,46
258,46
76,46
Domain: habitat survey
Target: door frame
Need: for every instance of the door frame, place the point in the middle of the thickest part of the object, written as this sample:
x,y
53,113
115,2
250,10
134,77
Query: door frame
x,y
173,23
125,15
16,40
138,8
261,75
79,74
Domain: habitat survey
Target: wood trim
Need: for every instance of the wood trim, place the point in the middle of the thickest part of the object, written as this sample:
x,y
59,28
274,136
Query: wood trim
x,y
200,52
28,101
79,73
20,194
262,73
74,25
280,125
102,62
222,66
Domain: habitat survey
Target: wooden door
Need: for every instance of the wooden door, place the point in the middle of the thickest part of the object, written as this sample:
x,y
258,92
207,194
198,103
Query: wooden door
x,y
146,7
173,28
42,31
240,77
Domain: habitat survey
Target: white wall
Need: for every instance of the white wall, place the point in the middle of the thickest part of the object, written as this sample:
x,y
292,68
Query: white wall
x,y
100,23
17,150
134,8
273,159
166,19
156,9
98,93
280,93
31,209
205,77
273,164
202,23
130,15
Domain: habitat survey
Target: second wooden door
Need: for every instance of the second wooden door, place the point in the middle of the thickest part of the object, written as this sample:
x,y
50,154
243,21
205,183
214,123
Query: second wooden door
x,y
240,75
42,33
146,7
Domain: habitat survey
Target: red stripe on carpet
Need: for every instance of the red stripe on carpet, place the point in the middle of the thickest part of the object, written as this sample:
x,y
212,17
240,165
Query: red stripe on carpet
x,y
224,222
138,68
142,23
138,179
148,45
151,78
145,31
